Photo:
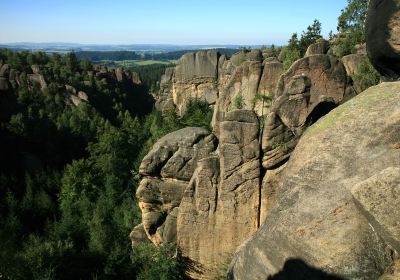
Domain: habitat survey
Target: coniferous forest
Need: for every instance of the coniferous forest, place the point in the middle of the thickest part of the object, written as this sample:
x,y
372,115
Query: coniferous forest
x,y
68,173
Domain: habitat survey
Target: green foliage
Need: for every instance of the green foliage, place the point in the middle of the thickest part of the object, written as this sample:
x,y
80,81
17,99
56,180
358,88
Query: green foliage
x,y
297,47
351,27
238,102
366,75
289,57
197,114
308,37
347,43
353,16
68,175
281,146
158,263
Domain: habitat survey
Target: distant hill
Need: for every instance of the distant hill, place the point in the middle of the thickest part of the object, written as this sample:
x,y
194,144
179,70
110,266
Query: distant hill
x,y
67,47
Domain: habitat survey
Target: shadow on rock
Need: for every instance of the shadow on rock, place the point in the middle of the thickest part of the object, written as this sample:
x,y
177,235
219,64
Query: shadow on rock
x,y
295,269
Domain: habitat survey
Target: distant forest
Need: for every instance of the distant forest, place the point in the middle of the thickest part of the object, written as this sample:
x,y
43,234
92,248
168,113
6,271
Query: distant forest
x,y
95,56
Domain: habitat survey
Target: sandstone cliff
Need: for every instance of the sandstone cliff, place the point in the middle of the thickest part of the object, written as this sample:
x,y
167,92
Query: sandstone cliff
x,y
315,205
338,188
211,202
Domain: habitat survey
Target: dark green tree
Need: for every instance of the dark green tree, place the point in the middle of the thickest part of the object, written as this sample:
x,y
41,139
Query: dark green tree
x,y
309,36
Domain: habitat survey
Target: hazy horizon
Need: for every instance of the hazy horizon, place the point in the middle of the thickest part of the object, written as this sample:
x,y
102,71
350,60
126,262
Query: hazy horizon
x,y
174,22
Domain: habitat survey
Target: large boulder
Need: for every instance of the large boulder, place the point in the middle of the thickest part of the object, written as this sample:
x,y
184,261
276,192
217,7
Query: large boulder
x,y
167,169
338,205
383,36
321,46
352,62
37,79
220,208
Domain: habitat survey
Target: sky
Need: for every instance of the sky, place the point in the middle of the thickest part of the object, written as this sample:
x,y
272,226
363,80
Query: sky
x,y
242,22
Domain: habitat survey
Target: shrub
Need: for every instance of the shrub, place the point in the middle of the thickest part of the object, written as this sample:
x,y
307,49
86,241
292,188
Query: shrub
x,y
238,102
366,75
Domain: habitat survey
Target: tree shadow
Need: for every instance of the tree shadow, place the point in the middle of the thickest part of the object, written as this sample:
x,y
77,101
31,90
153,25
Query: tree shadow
x,y
296,269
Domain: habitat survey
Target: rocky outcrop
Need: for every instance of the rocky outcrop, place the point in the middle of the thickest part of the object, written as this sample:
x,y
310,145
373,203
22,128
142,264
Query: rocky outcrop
x,y
335,195
321,46
383,36
138,235
195,76
164,100
220,207
312,87
167,169
378,196
224,83
37,79
238,84
351,62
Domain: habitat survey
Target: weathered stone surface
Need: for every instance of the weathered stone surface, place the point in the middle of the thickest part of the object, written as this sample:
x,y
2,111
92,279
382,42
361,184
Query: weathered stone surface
x,y
35,69
157,201
164,100
37,78
220,208
83,96
3,83
120,74
239,80
270,188
75,100
167,168
195,76
70,89
175,155
138,235
272,70
4,70
394,273
311,87
351,63
319,47
378,198
136,78
315,218
382,32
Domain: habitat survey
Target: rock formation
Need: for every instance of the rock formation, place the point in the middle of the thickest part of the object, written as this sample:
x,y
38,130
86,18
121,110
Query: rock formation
x,y
383,36
228,193
340,180
321,46
167,169
220,207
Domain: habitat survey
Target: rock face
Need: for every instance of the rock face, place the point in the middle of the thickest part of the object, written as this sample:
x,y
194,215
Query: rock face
x,y
38,79
238,84
383,36
167,169
351,63
337,190
378,198
164,100
312,87
220,208
195,76
319,47
226,84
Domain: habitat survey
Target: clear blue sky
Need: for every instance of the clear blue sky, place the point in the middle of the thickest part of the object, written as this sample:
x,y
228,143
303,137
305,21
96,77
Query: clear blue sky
x,y
244,22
